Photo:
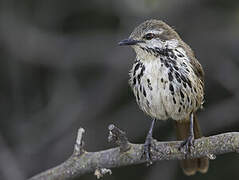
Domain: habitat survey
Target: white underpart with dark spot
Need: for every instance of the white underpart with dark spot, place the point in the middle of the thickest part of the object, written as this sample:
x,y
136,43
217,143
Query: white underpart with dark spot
x,y
162,85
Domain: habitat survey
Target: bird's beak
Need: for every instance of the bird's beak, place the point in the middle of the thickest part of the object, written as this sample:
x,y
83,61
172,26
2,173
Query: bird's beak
x,y
129,42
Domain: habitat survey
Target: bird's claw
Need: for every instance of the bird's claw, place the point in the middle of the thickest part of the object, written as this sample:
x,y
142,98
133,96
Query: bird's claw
x,y
188,143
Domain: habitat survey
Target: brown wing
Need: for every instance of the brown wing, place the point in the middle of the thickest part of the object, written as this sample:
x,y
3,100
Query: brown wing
x,y
197,67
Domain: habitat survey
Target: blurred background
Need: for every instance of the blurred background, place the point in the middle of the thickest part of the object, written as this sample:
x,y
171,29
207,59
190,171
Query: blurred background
x,y
61,69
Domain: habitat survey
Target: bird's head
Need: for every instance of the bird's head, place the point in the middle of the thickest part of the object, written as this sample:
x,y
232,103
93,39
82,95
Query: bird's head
x,y
150,35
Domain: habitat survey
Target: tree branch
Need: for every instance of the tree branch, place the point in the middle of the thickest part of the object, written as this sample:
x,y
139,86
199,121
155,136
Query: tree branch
x,y
82,162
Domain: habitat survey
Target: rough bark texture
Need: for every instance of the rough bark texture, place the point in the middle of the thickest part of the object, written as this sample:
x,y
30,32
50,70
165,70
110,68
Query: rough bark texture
x,y
82,162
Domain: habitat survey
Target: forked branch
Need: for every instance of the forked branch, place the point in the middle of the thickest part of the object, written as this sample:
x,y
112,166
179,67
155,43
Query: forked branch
x,y
82,162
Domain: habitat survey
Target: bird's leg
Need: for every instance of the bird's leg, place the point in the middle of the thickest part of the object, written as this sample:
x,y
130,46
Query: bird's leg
x,y
148,142
189,142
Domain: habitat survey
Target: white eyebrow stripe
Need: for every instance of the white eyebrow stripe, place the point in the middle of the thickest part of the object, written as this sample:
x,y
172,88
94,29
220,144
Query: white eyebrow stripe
x,y
155,31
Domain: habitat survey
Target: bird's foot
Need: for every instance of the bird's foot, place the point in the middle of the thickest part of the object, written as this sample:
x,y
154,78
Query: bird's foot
x,y
188,143
147,148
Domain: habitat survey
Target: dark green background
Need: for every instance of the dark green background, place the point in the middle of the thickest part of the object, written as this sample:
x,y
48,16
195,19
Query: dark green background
x,y
61,69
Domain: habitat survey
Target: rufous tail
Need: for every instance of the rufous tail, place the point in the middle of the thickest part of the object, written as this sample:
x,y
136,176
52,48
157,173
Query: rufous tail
x,y
191,166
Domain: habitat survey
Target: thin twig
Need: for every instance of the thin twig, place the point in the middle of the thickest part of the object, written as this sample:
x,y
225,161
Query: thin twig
x,y
99,173
79,142
119,137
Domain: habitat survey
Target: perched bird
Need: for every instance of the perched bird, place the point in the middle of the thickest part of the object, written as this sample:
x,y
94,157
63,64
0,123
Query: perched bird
x,y
168,83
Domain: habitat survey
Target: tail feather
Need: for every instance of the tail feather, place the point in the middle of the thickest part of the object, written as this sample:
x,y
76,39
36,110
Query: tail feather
x,y
191,166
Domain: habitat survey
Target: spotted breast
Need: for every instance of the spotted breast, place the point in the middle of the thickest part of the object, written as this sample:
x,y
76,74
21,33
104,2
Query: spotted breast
x,y
164,87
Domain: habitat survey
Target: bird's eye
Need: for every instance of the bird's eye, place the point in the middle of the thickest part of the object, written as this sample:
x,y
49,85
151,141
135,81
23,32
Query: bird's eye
x,y
149,36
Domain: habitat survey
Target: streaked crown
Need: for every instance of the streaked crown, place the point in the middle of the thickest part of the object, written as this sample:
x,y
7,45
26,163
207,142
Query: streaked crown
x,y
153,29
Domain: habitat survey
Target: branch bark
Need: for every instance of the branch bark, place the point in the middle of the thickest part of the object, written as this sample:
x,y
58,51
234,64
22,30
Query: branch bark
x,y
82,162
